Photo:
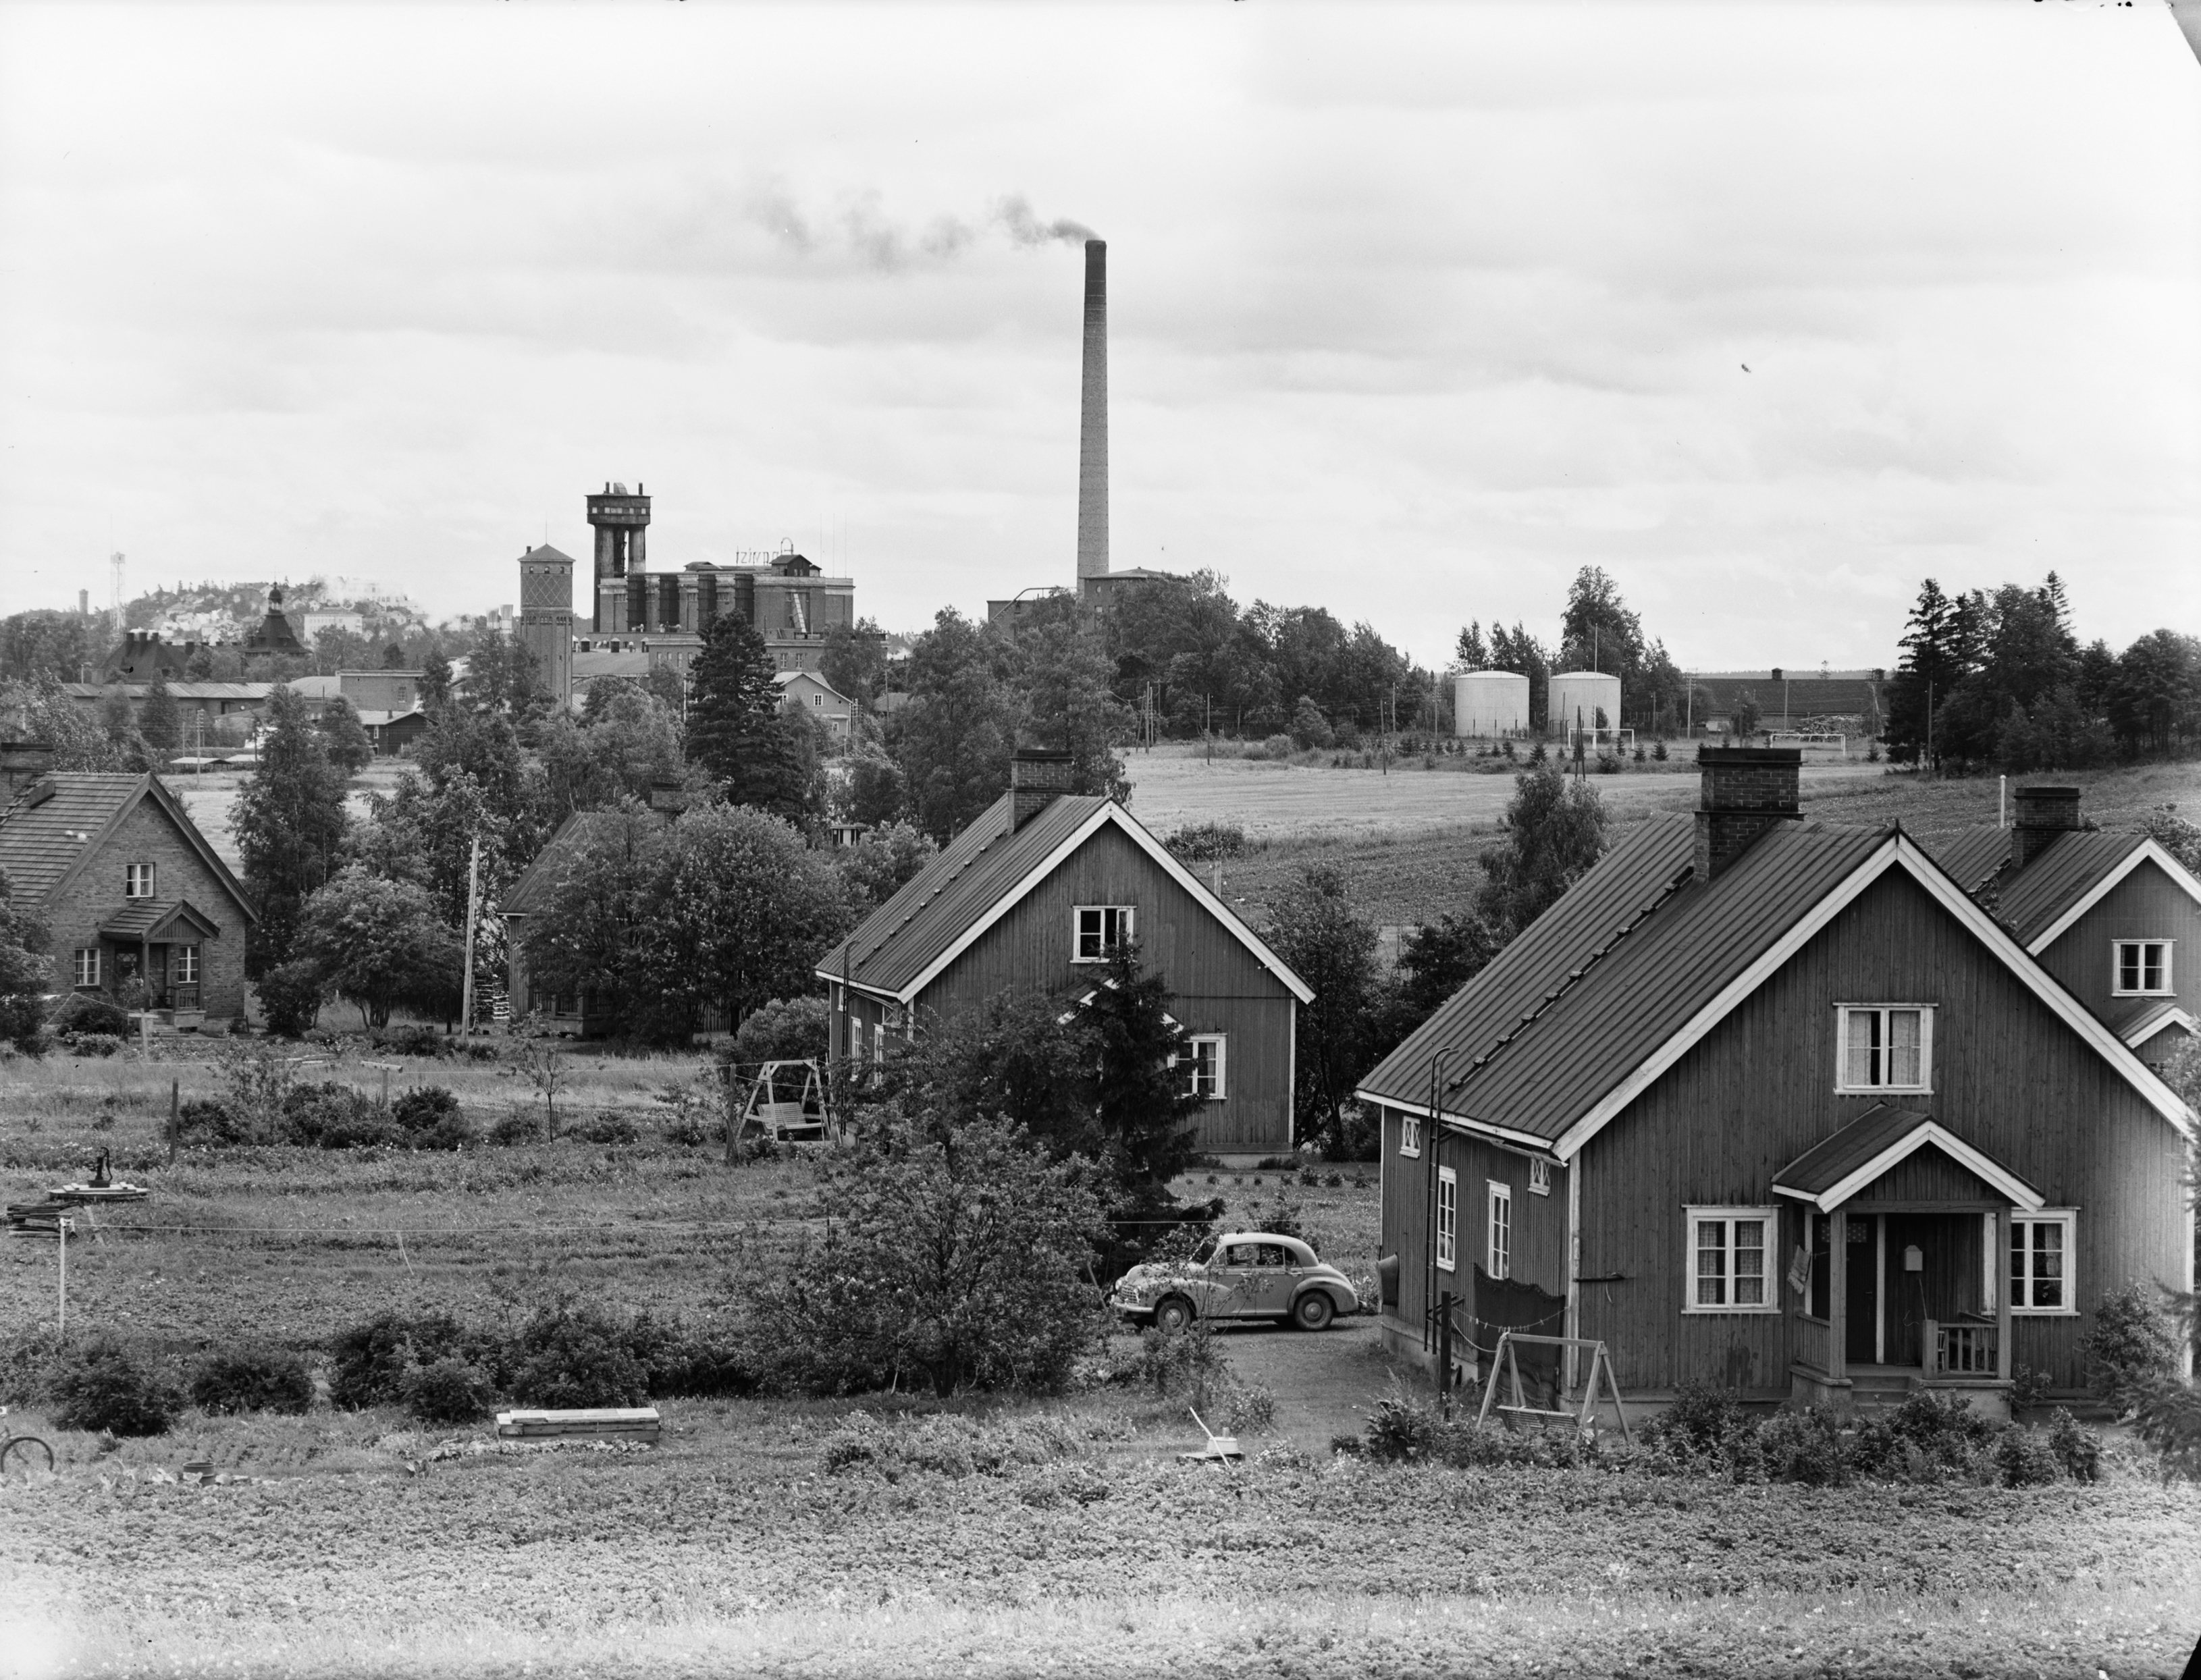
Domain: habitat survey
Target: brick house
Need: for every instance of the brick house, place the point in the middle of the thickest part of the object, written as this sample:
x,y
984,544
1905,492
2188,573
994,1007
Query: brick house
x,y
128,888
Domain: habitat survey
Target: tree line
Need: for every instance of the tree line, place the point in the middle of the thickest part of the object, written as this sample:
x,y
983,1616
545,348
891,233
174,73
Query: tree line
x,y
1998,679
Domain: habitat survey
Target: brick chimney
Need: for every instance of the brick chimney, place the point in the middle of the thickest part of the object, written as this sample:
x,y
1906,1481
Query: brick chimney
x,y
21,764
2042,813
1035,780
1747,790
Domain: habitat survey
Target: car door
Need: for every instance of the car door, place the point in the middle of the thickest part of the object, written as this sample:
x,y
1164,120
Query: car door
x,y
1232,1280
1265,1288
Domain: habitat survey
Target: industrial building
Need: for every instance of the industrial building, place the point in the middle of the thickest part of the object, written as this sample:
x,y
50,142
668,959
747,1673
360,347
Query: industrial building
x,y
1489,704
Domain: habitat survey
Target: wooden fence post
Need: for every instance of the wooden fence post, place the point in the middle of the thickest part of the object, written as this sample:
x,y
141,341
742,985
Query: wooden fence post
x,y
175,1116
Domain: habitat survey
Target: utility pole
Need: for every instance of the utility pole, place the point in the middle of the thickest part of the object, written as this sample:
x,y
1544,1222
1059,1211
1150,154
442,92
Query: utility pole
x,y
474,903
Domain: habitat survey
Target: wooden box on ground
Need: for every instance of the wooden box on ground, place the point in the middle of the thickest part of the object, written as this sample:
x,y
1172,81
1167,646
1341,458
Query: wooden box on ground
x,y
609,1423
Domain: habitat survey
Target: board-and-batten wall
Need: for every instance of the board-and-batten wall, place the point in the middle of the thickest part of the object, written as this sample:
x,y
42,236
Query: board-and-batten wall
x,y
2146,904
1539,1222
1218,985
2009,1077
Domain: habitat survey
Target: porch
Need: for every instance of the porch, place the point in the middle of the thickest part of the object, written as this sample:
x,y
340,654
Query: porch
x,y
1896,1286
160,946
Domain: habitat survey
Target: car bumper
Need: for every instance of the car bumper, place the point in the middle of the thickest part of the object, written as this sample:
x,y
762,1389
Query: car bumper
x,y
1130,1307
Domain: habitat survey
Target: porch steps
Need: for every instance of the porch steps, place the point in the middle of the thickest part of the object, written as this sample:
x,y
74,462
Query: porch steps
x,y
1881,1387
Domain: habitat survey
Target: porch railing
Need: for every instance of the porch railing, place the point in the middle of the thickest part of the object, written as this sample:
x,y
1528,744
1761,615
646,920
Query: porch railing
x,y
1962,1349
183,997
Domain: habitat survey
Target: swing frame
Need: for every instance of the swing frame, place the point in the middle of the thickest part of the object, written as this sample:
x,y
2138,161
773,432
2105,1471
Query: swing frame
x,y
1506,1363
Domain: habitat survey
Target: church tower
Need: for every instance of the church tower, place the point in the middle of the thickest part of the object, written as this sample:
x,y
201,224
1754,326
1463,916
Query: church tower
x,y
545,627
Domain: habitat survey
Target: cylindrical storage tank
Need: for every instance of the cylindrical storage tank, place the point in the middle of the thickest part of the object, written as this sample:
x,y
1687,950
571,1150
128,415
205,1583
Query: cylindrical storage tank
x,y
1589,693
1489,703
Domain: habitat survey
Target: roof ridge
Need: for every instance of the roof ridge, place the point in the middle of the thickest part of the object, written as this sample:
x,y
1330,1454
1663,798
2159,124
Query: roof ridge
x,y
1573,978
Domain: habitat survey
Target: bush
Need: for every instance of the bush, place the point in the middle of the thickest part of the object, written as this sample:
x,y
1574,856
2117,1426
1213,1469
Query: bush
x,y
2169,1421
1250,1408
2023,1460
2078,1451
2128,1349
1207,842
290,998
373,1362
429,1117
675,1362
786,1029
610,1125
330,1115
1804,1446
94,1043
413,1038
265,1379
521,1125
28,1360
82,1012
575,1357
106,1387
1703,1421
1277,746
450,1391
205,1120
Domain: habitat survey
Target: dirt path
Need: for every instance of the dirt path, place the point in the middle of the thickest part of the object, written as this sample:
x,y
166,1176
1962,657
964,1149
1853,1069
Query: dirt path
x,y
1325,1384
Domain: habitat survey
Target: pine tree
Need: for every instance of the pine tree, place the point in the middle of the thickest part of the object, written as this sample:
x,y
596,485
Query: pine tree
x,y
732,702
1142,1098
290,825
160,720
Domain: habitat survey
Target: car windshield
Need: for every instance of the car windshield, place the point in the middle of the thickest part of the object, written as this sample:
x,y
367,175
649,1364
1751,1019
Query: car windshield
x,y
1204,1253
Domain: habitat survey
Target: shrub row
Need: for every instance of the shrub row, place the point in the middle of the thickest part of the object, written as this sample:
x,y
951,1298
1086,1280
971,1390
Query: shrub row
x,y
330,1115
1707,1432
107,1386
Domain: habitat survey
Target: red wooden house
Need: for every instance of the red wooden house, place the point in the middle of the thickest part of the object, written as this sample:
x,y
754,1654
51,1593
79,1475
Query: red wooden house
x,y
1031,896
1778,1105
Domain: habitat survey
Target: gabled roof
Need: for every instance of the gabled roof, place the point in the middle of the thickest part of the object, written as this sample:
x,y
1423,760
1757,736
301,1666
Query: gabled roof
x,y
980,875
787,678
1611,986
2062,883
1837,1167
151,919
2163,1016
59,822
519,895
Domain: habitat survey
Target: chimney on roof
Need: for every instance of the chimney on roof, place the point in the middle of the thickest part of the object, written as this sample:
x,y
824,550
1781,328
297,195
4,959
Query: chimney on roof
x,y
2042,813
1035,780
1746,791
667,798
22,763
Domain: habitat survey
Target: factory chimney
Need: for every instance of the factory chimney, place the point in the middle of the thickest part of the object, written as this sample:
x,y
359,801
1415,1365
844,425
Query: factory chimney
x,y
1092,427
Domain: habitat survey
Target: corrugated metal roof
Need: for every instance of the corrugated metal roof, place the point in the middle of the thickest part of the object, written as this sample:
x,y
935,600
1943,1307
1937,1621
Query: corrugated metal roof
x,y
1834,1158
1616,969
182,691
899,941
2033,897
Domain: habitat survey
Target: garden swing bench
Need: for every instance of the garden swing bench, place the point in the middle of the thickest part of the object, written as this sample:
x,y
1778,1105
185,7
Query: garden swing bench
x,y
1505,1366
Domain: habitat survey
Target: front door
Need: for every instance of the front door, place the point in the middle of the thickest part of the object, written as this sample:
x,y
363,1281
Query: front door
x,y
1861,1291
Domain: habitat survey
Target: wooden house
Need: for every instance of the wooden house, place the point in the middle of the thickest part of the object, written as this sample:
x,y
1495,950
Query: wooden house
x,y
1777,1105
128,890
1030,897
2110,915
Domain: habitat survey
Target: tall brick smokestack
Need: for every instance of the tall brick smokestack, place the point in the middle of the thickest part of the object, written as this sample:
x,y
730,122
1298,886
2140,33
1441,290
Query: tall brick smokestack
x,y
1093,426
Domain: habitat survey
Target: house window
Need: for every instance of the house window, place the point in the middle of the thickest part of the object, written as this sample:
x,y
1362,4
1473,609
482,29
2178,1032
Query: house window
x,y
1498,1255
878,1041
1886,1049
85,966
1410,1134
1203,1067
2040,1263
817,700
1100,929
187,965
1447,1217
136,881
1730,1250
1539,1176
2142,968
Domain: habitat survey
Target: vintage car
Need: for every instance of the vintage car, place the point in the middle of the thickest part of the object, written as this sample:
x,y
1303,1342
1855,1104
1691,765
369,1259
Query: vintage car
x,y
1243,1275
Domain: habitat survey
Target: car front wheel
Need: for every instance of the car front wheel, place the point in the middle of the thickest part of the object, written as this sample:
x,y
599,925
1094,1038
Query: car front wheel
x,y
1313,1311
1172,1312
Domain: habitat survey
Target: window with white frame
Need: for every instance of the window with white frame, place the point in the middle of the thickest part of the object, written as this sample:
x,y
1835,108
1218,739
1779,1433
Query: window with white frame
x,y
878,1041
1731,1259
1539,1176
1204,1063
2040,1263
1100,929
85,966
136,881
1886,1047
187,965
1447,1218
1410,1134
2141,968
1498,1247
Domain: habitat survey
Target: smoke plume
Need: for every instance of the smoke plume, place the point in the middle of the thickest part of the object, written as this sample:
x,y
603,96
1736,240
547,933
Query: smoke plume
x,y
1024,228
862,230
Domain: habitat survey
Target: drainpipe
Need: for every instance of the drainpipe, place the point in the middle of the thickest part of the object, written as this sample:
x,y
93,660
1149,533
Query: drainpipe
x,y
1433,1132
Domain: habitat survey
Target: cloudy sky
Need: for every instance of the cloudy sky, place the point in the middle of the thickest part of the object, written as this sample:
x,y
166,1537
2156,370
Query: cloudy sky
x,y
1771,310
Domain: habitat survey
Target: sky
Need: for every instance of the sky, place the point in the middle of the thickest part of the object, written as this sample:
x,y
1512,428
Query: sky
x,y
1770,310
